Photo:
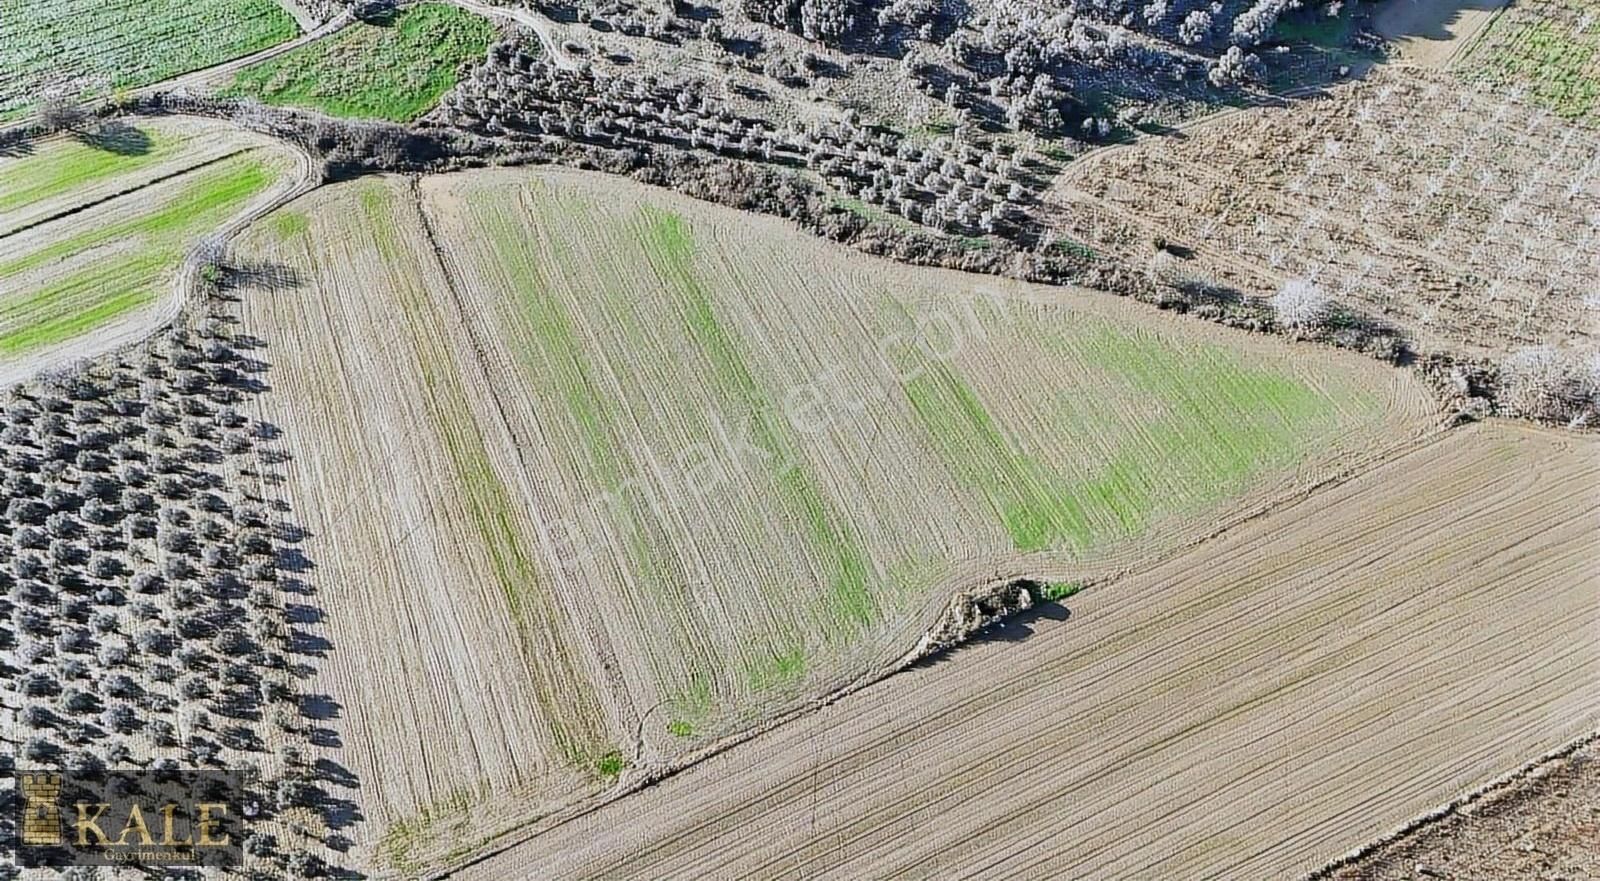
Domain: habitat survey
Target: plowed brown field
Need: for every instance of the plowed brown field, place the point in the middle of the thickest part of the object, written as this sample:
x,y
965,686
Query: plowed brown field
x,y
1252,709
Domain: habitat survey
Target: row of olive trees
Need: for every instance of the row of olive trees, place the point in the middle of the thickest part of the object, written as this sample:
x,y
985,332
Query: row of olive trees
x,y
950,184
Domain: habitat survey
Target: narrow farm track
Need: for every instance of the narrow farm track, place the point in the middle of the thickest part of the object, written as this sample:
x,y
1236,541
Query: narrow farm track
x,y
1255,708
212,76
530,18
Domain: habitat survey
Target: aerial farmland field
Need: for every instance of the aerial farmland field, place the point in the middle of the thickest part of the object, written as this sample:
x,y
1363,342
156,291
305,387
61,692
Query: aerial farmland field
x,y
677,516
1548,50
96,229
1349,662
801,439
95,47
1458,216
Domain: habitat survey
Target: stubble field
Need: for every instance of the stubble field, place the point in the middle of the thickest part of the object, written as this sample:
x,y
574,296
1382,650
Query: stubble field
x,y
1253,708
631,509
95,229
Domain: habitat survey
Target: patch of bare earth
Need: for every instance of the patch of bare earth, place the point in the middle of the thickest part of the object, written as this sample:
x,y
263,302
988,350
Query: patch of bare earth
x,y
1545,825
1254,708
1431,33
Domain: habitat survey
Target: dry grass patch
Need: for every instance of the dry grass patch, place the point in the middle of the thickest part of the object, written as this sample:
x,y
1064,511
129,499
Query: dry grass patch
x,y
1469,220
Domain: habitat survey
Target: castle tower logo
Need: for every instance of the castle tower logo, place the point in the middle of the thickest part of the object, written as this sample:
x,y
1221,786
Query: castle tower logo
x,y
41,811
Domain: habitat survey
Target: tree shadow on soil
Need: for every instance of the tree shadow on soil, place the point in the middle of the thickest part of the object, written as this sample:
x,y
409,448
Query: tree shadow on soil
x,y
116,136
15,145
331,788
1011,629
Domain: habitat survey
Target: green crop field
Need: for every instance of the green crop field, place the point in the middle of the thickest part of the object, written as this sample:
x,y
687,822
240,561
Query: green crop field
x,y
703,465
84,266
95,47
1550,50
394,70
72,165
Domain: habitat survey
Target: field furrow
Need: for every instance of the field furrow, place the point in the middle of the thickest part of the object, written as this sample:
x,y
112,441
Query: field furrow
x,y
651,513
1252,708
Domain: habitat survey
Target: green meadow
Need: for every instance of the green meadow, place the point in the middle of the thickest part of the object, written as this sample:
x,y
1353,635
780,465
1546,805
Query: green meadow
x,y
394,70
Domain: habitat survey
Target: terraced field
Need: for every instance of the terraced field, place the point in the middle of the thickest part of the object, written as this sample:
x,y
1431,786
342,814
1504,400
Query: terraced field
x,y
93,235
657,471
1253,708
395,69
99,46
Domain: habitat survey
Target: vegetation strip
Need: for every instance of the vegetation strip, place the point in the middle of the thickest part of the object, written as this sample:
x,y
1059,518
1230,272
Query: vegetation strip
x,y
564,693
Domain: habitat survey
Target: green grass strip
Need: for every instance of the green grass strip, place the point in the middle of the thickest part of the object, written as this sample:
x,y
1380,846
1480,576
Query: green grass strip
x,y
80,303
1558,69
556,359
206,200
1221,423
61,167
571,709
670,246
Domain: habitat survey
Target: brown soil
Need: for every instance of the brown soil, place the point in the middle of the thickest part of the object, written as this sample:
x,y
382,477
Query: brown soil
x,y
1252,709
1545,825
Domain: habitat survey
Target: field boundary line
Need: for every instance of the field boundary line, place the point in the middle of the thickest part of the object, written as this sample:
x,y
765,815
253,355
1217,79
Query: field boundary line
x,y
1464,49
1456,805
304,177
127,191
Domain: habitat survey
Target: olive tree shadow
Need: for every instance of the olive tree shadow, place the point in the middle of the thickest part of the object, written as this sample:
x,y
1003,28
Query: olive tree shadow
x,y
115,136
328,786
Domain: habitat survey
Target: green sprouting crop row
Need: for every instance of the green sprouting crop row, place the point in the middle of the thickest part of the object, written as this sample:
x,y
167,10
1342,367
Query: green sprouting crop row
x,y
145,250
62,167
573,716
394,70
1221,422
1550,48
99,46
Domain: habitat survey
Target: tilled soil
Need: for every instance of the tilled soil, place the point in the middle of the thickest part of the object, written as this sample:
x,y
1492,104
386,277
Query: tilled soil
x,y
1545,825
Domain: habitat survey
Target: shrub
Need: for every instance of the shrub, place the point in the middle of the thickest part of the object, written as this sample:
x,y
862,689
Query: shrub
x,y
1301,305
1543,382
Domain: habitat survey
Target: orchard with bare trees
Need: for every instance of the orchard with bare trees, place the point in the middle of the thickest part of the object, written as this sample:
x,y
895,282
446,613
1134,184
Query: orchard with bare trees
x,y
152,609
